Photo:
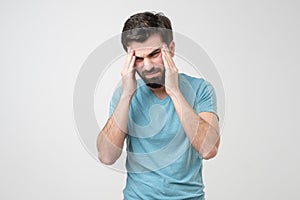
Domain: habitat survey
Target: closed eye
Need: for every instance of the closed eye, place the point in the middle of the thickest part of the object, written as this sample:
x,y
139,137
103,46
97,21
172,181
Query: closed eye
x,y
155,53
138,59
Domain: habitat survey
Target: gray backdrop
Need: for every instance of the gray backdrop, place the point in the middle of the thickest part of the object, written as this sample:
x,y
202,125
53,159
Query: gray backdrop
x,y
254,45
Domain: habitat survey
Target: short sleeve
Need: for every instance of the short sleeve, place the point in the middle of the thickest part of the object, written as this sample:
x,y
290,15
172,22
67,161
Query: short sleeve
x,y
206,98
114,100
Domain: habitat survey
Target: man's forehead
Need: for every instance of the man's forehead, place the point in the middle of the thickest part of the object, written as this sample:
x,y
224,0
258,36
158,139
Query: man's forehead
x,y
145,47
143,51
152,43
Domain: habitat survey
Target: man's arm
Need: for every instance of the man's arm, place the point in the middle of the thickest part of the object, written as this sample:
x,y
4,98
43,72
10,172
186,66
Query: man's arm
x,y
111,139
203,129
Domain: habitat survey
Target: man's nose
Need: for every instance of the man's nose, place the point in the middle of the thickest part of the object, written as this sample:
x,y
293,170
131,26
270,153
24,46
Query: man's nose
x,y
148,65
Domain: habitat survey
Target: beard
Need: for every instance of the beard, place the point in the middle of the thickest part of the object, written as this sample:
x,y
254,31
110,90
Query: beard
x,y
155,82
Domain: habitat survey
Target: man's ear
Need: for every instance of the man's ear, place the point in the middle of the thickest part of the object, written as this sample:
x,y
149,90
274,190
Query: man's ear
x,y
172,48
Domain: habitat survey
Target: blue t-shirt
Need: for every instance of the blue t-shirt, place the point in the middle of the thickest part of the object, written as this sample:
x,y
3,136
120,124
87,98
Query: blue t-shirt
x,y
161,163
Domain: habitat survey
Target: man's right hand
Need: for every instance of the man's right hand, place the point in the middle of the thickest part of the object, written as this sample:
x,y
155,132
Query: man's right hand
x,y
128,74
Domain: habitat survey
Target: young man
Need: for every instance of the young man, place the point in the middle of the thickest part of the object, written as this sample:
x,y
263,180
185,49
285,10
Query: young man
x,y
168,118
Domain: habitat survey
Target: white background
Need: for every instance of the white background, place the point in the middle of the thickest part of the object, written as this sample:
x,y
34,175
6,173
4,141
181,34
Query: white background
x,y
254,45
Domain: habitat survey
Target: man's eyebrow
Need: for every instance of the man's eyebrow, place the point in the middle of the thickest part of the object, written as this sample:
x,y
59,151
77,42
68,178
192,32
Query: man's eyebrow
x,y
154,51
136,57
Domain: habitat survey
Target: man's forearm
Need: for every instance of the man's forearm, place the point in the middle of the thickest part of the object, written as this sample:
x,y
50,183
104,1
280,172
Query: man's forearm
x,y
203,132
111,139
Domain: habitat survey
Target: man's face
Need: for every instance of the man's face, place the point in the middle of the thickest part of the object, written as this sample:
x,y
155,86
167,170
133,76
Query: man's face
x,y
148,63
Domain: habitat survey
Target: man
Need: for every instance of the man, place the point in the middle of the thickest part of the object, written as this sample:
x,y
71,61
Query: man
x,y
168,118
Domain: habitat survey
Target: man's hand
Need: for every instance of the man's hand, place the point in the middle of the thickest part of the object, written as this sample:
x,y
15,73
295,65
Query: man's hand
x,y
201,129
111,139
128,74
171,74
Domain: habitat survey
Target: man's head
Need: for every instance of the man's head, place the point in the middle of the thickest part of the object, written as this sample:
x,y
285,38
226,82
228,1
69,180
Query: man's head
x,y
146,33
139,27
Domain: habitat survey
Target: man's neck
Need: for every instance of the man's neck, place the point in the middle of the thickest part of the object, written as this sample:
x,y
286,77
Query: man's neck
x,y
159,92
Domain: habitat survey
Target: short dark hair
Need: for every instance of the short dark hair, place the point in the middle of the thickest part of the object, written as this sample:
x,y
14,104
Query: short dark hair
x,y
139,27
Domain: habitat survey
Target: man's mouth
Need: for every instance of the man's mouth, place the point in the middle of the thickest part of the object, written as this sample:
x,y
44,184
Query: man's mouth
x,y
152,74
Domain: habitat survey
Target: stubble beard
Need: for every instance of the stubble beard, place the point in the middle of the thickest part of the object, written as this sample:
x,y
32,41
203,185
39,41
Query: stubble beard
x,y
155,82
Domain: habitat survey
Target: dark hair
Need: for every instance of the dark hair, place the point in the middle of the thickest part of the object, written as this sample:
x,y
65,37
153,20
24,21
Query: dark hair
x,y
139,27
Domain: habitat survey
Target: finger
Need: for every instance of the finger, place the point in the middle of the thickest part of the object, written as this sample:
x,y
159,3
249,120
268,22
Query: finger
x,y
165,61
167,51
131,65
128,61
172,63
129,56
165,48
169,60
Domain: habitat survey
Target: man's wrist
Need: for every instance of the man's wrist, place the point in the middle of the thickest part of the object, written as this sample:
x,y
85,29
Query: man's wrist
x,y
126,96
174,94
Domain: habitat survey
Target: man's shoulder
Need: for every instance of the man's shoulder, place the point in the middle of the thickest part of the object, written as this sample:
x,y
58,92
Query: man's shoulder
x,y
191,77
192,80
199,85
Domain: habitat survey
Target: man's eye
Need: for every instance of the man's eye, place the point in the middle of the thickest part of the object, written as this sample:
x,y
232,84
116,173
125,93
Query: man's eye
x,y
138,59
155,54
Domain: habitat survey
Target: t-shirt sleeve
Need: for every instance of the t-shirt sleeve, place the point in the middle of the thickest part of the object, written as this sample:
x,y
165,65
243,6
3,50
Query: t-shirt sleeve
x,y
114,100
206,98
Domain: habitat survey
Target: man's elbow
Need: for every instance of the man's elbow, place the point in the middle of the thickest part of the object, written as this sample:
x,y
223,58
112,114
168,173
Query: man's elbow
x,y
210,154
106,159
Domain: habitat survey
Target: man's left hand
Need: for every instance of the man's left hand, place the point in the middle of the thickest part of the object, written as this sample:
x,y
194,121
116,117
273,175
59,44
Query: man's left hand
x,y
171,73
